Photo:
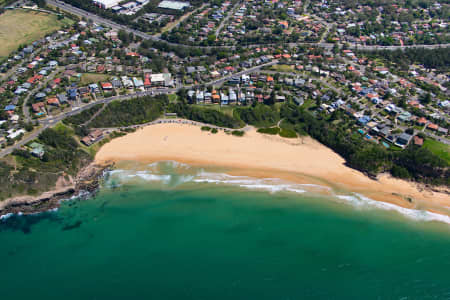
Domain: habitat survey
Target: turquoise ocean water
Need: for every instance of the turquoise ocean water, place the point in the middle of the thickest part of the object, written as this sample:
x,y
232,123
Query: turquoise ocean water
x,y
168,231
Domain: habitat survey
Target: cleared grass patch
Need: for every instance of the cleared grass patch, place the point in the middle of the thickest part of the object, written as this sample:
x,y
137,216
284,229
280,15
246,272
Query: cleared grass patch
x,y
440,149
228,110
282,68
88,78
22,27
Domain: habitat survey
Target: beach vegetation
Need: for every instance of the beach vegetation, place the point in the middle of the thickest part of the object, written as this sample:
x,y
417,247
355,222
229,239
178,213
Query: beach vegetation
x,y
288,133
238,133
214,130
205,128
269,130
204,115
259,115
130,112
84,116
27,174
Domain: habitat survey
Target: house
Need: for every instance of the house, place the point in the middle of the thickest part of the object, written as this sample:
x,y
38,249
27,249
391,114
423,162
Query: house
x,y
280,98
147,82
432,126
161,79
232,97
10,107
224,99
299,101
116,83
127,83
62,98
200,97
405,116
73,93
190,70
364,120
190,95
138,83
93,87
403,140
53,101
37,149
12,133
234,80
421,121
442,130
38,107
40,96
83,91
418,141
92,137
107,86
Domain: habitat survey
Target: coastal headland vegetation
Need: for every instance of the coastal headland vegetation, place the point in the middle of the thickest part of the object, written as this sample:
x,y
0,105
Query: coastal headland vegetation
x,y
24,173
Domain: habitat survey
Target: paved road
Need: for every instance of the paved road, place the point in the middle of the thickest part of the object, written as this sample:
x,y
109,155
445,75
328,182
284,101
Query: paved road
x,y
100,20
225,20
25,109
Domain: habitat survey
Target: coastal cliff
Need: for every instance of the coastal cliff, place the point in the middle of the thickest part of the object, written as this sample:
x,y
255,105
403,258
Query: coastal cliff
x,y
87,180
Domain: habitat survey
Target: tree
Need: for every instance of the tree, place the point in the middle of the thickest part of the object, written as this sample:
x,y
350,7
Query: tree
x,y
426,99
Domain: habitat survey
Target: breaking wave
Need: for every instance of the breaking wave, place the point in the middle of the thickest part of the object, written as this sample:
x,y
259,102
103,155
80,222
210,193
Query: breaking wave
x,y
361,201
181,173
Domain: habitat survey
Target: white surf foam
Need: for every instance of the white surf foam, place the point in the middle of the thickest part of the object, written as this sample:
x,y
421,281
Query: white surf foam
x,y
361,201
274,185
6,216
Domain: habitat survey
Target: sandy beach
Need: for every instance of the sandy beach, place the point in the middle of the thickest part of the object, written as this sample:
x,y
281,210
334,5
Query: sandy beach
x,y
301,160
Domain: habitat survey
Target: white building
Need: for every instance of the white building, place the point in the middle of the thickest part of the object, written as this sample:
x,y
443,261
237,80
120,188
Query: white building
x,y
175,5
105,4
161,79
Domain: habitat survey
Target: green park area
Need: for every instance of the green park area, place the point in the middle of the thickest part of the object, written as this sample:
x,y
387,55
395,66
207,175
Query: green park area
x,y
22,27
440,149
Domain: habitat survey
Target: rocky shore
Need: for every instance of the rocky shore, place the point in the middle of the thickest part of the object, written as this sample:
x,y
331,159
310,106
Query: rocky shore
x,y
87,180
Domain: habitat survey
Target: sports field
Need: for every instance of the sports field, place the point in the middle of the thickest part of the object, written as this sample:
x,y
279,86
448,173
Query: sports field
x,y
21,27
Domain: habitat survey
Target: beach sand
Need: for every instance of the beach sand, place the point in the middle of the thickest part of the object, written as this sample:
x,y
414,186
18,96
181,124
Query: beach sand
x,y
301,160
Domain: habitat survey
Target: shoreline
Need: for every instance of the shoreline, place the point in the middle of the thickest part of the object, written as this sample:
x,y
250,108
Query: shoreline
x,y
87,180
301,160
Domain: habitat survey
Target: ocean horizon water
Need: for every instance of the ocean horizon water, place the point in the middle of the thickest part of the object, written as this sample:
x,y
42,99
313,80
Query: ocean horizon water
x,y
171,231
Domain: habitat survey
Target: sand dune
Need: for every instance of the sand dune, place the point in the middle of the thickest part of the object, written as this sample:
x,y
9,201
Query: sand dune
x,y
300,160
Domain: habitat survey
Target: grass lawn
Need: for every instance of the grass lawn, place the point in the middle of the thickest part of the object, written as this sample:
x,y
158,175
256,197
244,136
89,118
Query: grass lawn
x,y
173,97
440,149
282,68
226,109
88,78
21,27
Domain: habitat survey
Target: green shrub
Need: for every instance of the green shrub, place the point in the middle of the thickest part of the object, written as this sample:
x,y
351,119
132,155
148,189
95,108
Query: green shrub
x,y
269,130
206,128
288,133
237,133
214,130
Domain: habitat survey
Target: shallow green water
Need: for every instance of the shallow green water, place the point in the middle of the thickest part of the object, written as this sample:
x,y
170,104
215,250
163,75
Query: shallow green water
x,y
182,239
